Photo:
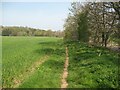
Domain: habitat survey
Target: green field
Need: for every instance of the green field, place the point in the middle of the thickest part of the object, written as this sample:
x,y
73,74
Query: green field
x,y
38,62
19,55
92,67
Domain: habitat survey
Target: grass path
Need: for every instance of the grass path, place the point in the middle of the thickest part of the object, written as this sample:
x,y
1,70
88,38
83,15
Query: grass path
x,y
65,72
19,79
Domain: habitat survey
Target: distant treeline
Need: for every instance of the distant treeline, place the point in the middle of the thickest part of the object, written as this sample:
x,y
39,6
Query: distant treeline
x,y
26,31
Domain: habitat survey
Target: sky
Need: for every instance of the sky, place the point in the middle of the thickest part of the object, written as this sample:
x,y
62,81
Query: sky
x,y
42,15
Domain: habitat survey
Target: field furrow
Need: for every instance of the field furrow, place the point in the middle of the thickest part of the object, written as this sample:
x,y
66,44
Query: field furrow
x,y
18,80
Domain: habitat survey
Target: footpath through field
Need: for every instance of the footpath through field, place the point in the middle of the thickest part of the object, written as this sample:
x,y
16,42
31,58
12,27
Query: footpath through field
x,y
65,71
18,81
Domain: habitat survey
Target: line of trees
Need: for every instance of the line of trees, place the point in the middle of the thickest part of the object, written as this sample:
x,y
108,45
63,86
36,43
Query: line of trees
x,y
26,31
93,22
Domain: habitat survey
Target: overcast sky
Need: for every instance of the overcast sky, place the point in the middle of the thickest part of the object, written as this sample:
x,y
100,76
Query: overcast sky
x,y
43,15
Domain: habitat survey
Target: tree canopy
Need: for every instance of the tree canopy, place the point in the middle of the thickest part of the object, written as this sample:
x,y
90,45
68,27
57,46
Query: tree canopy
x,y
93,22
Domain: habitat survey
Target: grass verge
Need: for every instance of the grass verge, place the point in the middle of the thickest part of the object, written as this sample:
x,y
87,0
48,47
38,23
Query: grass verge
x,y
92,67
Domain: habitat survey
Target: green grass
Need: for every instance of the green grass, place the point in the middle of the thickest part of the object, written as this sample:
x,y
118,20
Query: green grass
x,y
49,74
92,67
19,53
89,67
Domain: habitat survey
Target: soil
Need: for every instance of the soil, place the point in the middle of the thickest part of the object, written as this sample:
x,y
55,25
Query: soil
x,y
65,71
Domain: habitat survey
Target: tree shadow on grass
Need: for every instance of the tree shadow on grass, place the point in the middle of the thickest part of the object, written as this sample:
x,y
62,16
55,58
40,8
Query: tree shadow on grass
x,y
47,43
50,43
83,56
50,51
95,53
55,64
46,51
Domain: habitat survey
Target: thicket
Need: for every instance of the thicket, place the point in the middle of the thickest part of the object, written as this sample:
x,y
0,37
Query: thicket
x,y
96,23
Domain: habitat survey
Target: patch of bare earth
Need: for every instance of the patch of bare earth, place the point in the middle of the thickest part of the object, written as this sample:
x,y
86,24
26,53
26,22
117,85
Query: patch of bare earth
x,y
64,83
19,79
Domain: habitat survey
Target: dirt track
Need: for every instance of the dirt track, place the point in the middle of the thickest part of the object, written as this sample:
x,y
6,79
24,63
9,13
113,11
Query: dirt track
x,y
64,83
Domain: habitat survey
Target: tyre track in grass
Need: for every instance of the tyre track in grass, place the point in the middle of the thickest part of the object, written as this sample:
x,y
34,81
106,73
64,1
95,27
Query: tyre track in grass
x,y
20,79
64,83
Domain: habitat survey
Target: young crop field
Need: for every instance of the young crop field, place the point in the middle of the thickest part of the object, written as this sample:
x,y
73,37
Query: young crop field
x,y
32,62
38,62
